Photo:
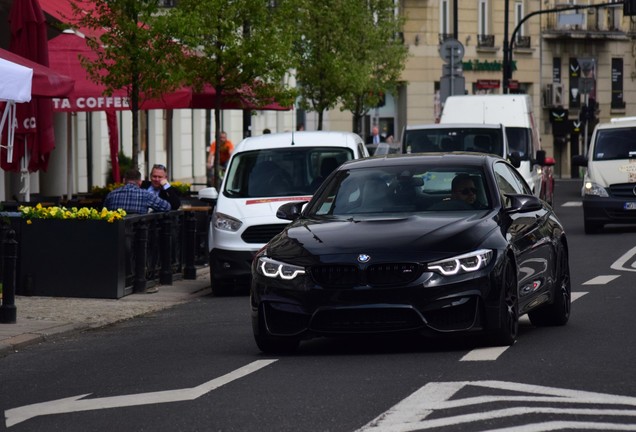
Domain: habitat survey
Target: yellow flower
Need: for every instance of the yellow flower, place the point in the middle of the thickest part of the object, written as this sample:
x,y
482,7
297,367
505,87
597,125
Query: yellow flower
x,y
39,212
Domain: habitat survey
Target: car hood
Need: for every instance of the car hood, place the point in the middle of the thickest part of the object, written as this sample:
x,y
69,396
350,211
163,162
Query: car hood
x,y
606,173
416,237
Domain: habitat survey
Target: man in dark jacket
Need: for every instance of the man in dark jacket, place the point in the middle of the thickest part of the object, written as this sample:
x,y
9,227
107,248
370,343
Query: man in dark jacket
x,y
160,186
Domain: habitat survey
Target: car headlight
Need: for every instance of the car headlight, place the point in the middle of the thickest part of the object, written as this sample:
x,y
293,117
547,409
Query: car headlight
x,y
227,223
592,189
465,263
278,270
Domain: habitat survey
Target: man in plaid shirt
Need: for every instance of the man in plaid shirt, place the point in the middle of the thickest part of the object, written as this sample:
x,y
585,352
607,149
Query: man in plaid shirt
x,y
131,198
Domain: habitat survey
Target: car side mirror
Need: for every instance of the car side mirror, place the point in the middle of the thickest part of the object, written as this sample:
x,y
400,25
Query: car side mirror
x,y
209,195
515,159
540,159
523,203
290,211
579,160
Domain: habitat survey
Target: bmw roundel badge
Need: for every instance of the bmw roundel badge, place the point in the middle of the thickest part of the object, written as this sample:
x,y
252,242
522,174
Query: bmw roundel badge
x,y
363,258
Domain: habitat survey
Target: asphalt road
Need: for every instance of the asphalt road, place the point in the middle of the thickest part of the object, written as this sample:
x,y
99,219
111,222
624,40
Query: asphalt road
x,y
196,368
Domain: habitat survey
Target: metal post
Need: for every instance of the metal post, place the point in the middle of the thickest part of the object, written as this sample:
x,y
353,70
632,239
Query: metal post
x,y
141,246
190,232
165,251
506,51
8,311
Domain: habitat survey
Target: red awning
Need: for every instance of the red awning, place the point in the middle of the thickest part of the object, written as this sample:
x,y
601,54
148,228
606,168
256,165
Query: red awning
x,y
62,11
46,81
64,57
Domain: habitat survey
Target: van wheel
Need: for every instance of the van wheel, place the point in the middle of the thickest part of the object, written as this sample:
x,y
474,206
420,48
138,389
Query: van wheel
x,y
591,227
221,288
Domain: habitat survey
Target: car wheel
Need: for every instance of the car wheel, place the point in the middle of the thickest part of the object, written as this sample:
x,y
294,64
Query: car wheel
x,y
506,333
558,312
591,227
270,344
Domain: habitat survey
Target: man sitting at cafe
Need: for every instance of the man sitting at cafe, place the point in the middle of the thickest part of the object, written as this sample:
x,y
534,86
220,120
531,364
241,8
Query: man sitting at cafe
x,y
131,198
160,186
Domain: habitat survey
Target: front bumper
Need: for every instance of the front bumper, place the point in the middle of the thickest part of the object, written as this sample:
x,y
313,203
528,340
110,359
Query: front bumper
x,y
465,305
608,210
231,266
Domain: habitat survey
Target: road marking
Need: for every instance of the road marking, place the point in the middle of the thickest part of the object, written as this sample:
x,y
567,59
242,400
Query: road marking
x,y
621,263
493,353
572,204
77,403
601,280
411,413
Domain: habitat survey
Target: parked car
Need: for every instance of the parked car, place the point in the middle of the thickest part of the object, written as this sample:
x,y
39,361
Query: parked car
x,y
262,173
385,246
609,185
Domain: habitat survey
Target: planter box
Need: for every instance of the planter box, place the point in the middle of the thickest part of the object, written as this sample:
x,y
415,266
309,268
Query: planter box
x,y
72,258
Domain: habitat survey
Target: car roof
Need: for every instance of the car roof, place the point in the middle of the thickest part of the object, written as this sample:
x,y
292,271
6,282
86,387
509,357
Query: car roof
x,y
300,139
455,126
440,159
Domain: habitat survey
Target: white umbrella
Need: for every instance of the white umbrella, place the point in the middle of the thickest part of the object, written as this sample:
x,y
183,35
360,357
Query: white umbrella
x,y
14,88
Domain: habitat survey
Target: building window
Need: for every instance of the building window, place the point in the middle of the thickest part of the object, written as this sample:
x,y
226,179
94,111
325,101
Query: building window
x,y
519,14
483,18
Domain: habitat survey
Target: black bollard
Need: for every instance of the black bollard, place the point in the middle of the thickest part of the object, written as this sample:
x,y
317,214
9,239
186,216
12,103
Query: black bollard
x,y
141,256
165,251
8,311
189,270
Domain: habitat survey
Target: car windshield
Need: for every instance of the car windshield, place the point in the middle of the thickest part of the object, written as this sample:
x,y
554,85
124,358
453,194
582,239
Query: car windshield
x,y
402,189
282,171
615,144
454,138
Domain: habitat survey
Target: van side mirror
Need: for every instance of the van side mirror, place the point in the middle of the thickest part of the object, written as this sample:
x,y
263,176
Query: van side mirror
x,y
209,195
579,160
515,159
540,159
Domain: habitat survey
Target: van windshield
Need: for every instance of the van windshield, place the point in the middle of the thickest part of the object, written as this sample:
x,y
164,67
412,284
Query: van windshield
x,y
453,138
282,171
613,144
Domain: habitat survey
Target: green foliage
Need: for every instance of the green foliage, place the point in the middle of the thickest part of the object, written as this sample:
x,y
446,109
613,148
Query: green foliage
x,y
349,54
242,48
133,53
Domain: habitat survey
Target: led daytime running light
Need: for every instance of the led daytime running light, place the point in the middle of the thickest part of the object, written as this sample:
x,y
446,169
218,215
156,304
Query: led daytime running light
x,y
469,262
274,269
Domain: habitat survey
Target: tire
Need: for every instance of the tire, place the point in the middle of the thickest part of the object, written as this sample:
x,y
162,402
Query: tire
x,y
556,313
221,288
508,326
591,227
270,344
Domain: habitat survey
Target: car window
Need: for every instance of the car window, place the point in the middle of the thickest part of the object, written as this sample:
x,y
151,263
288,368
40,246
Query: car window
x,y
519,140
399,189
282,171
615,144
509,181
454,138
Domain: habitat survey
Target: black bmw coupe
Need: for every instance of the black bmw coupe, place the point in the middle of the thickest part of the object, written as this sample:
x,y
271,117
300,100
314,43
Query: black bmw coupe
x,y
442,243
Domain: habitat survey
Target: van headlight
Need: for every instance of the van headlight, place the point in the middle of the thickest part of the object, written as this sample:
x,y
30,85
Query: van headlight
x,y
277,269
226,223
465,263
593,189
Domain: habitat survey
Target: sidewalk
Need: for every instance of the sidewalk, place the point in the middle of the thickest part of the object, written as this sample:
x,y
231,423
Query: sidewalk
x,y
41,318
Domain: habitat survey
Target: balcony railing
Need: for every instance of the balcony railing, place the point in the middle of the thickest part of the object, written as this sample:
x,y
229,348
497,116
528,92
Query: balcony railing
x,y
485,41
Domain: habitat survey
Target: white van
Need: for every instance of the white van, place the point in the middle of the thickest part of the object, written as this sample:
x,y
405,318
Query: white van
x,y
515,112
263,173
609,185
